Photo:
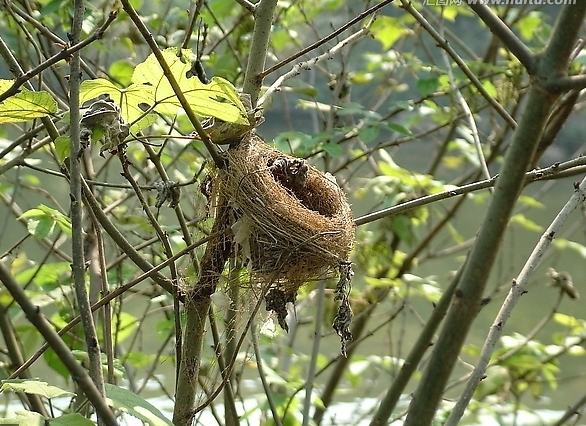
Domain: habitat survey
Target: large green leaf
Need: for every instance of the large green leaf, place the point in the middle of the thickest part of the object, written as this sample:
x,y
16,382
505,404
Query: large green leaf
x,y
25,105
217,99
33,386
133,101
130,403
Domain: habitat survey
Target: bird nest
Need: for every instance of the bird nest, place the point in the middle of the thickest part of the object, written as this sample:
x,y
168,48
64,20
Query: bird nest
x,y
293,222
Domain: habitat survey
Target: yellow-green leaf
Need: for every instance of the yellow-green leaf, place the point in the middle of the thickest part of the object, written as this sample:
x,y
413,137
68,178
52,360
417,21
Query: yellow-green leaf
x,y
25,105
134,101
217,99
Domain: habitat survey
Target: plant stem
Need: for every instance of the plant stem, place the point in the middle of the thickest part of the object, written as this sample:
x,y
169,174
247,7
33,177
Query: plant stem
x,y
77,244
264,11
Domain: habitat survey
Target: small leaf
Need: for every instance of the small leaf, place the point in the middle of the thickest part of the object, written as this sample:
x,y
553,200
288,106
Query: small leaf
x,y
32,386
43,219
136,406
333,149
399,129
427,86
528,224
62,146
25,105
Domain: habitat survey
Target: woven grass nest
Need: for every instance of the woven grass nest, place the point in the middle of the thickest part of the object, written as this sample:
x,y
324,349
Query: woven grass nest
x,y
294,223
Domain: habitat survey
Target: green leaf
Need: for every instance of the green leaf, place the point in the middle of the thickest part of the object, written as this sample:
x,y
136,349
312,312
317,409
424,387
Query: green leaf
x,y
427,86
528,224
217,99
74,419
25,418
529,24
133,101
134,405
399,129
33,386
62,146
333,149
43,219
25,105
387,30
122,71
562,244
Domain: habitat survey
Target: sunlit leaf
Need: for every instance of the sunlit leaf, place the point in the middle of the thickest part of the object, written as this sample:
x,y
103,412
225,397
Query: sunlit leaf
x,y
526,223
130,403
33,386
25,105
387,30
562,244
216,99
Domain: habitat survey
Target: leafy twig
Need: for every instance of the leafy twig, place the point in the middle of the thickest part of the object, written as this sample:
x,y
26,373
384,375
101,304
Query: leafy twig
x,y
65,53
148,37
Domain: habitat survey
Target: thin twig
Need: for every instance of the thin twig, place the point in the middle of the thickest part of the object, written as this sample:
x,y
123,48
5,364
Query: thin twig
x,y
306,65
65,53
263,377
531,176
327,38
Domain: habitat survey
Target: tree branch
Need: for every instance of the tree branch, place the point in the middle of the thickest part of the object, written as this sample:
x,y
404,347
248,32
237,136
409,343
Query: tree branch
x,y
327,38
505,35
77,371
515,293
540,174
253,76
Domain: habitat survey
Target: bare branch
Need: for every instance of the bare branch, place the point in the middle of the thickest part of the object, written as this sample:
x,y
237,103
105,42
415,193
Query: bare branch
x,y
504,33
531,176
254,76
565,83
